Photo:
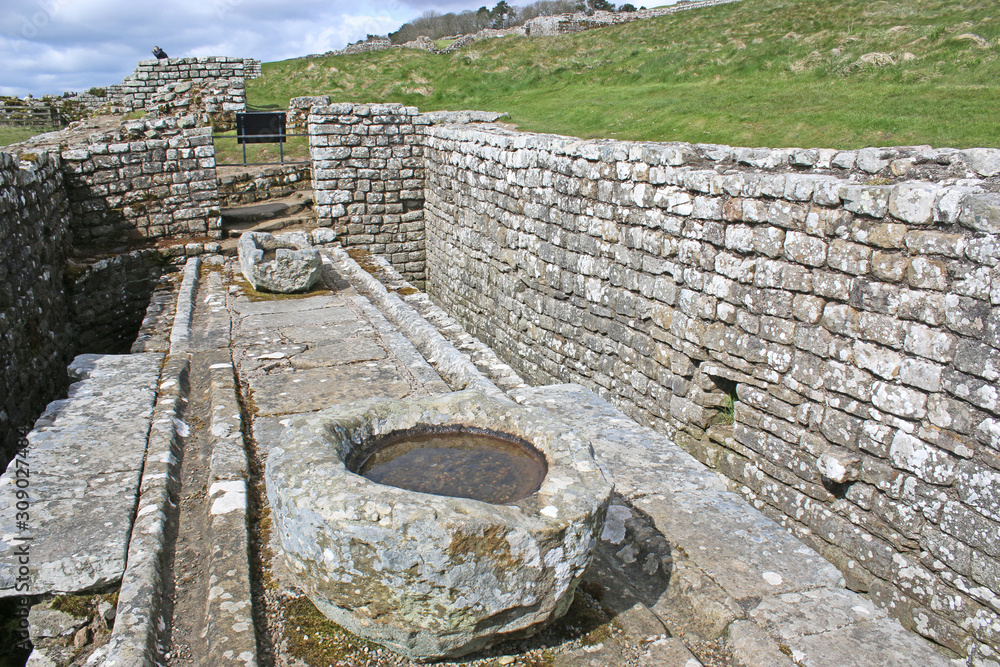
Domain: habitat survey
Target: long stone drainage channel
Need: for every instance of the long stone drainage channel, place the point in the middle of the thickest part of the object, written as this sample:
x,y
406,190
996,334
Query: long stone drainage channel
x,y
685,573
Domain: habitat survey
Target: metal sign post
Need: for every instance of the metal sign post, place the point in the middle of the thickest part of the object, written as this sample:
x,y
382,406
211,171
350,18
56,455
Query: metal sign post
x,y
261,127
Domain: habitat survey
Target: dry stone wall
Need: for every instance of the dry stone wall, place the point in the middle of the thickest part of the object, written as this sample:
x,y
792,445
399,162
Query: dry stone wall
x,y
223,73
108,299
34,332
562,24
68,200
848,301
251,68
53,307
368,179
148,179
238,187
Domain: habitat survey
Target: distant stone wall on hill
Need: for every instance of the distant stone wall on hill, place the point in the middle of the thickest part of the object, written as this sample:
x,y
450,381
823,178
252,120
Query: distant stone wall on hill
x,y
541,26
562,24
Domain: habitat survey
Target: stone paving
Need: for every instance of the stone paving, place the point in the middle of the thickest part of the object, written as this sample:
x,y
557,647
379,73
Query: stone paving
x,y
105,420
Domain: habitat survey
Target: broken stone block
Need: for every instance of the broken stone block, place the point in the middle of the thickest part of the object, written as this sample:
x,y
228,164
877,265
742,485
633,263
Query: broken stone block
x,y
839,465
274,265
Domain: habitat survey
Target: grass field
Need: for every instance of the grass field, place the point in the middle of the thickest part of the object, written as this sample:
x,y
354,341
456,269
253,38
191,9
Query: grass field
x,y
228,151
838,73
12,135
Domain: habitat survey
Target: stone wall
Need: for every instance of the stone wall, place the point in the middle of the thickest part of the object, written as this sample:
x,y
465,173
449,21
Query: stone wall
x,y
297,116
34,331
368,179
562,24
251,68
238,187
848,302
108,298
137,90
150,178
210,103
69,195
374,43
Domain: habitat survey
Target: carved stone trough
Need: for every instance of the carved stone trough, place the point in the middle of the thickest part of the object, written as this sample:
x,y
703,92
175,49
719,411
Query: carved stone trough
x,y
433,576
278,265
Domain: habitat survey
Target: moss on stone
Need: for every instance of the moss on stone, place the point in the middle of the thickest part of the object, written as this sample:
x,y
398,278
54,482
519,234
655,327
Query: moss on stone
x,y
317,640
252,294
83,606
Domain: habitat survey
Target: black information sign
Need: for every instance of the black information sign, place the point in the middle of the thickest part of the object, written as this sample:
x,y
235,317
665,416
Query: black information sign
x,y
260,127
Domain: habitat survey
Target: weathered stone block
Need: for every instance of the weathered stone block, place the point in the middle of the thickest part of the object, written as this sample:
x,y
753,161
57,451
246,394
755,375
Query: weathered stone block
x,y
277,265
880,361
870,200
924,460
925,273
899,400
929,343
889,266
805,249
981,212
974,390
768,241
913,202
839,465
966,316
881,235
921,373
485,561
832,285
849,257
875,297
807,308
841,319
841,428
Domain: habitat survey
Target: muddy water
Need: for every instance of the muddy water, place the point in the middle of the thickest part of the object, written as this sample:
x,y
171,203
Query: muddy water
x,y
459,464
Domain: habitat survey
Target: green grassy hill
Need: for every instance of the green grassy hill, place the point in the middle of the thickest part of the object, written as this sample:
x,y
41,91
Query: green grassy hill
x,y
835,73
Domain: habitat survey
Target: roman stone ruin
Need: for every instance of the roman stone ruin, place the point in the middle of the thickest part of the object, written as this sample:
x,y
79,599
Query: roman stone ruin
x,y
819,326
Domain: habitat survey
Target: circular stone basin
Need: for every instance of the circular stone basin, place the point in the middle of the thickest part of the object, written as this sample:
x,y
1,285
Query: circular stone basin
x,y
429,575
461,463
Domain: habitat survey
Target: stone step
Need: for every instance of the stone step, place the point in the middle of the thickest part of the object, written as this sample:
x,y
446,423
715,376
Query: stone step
x,y
238,199
244,216
298,221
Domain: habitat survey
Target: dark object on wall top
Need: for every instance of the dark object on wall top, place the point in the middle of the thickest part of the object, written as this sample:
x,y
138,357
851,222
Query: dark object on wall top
x,y
159,53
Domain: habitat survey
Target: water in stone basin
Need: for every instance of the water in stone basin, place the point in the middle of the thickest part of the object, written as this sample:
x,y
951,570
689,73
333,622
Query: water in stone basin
x,y
457,463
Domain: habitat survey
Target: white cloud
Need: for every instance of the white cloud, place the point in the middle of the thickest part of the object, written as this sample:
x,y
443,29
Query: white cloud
x,y
49,46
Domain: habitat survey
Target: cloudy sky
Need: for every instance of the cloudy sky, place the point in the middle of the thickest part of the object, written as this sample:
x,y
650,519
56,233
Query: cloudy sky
x,y
50,46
